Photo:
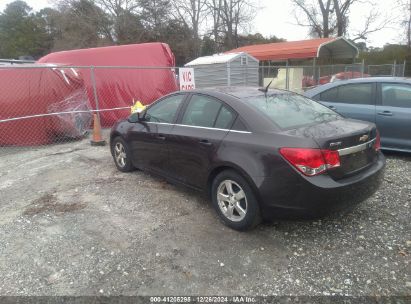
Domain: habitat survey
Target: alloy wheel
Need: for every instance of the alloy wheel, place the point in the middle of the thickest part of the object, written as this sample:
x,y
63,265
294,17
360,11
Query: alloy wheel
x,y
232,200
120,154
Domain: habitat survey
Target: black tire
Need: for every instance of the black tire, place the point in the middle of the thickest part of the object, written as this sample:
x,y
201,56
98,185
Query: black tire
x,y
126,165
252,215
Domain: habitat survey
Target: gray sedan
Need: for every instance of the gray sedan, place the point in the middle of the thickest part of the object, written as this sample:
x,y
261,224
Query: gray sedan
x,y
385,101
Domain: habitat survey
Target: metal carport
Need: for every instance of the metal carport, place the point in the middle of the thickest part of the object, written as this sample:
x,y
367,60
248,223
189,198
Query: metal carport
x,y
333,48
295,52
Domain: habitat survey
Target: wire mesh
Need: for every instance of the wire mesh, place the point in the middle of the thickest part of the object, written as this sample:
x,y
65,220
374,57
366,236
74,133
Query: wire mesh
x,y
43,105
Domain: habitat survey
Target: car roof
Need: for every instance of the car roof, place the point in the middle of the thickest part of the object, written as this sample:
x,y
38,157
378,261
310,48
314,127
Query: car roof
x,y
239,92
321,88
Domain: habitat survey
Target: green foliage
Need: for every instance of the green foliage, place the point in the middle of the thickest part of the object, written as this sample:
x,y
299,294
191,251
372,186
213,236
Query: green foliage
x,y
74,24
155,15
128,28
256,39
387,54
208,46
80,24
22,32
179,37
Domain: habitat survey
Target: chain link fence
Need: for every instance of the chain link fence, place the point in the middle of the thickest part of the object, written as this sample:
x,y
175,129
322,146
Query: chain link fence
x,y
302,78
44,105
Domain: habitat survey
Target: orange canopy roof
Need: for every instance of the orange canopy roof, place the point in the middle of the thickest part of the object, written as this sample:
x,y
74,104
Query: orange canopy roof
x,y
302,49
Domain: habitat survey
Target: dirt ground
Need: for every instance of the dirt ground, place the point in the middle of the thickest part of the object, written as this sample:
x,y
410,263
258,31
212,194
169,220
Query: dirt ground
x,y
71,224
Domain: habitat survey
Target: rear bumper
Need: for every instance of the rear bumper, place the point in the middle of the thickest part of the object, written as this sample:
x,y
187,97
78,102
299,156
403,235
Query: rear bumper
x,y
318,195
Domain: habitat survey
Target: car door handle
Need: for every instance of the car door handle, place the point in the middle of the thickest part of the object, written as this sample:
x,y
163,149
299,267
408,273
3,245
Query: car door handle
x,y
332,107
161,137
205,142
385,113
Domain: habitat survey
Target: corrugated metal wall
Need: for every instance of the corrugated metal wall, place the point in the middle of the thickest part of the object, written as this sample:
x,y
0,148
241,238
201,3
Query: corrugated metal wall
x,y
210,75
244,74
215,75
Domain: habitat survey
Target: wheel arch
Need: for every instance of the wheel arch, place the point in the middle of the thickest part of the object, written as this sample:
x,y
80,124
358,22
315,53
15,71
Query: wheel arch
x,y
229,166
113,135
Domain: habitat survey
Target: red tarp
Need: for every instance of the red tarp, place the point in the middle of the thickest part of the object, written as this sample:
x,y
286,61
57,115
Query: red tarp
x,y
117,87
284,50
32,91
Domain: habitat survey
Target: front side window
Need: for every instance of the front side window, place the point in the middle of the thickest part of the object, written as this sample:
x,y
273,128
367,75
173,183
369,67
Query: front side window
x,y
165,110
396,95
201,111
330,95
290,110
356,93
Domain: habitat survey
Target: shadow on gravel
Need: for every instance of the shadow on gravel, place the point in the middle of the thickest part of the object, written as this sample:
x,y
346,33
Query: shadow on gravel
x,y
344,219
48,203
398,155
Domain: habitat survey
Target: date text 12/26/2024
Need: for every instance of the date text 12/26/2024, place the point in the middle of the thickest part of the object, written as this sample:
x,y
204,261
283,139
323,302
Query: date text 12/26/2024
x,y
205,299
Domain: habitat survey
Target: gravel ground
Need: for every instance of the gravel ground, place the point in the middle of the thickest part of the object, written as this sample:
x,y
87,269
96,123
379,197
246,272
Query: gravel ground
x,y
71,224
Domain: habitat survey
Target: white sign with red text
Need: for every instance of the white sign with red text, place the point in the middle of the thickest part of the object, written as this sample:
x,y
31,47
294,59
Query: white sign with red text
x,y
186,77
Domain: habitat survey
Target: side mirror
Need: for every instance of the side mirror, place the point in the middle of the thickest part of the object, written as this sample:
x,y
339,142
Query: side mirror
x,y
137,117
133,118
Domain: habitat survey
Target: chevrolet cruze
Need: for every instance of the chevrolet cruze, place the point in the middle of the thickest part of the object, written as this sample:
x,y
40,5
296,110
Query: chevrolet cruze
x,y
258,154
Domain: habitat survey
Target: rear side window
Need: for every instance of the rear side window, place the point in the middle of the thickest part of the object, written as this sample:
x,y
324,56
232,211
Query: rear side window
x,y
396,95
225,119
239,125
360,93
291,110
201,111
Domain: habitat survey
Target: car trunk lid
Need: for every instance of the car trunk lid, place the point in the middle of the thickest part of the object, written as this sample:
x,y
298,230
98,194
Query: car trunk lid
x,y
354,140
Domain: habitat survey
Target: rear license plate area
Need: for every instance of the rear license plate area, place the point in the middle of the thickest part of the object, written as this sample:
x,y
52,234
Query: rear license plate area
x,y
356,161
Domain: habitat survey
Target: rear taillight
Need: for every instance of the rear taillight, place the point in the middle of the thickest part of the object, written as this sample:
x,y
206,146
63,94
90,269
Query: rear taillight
x,y
377,145
311,161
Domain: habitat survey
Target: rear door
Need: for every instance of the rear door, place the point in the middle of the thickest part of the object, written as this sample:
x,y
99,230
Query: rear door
x,y
196,138
354,100
394,115
149,138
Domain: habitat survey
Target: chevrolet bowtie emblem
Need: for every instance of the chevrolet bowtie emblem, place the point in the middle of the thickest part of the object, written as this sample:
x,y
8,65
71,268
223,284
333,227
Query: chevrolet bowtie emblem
x,y
364,137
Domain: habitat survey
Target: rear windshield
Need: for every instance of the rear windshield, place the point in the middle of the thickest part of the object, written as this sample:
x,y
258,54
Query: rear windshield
x,y
290,110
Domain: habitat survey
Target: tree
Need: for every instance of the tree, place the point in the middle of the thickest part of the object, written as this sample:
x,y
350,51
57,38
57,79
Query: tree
x,y
326,18
257,38
229,16
81,24
191,13
234,14
50,20
126,23
318,17
405,19
179,37
155,15
22,32
208,46
214,9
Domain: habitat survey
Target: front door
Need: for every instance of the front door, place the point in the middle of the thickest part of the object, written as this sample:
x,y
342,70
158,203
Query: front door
x,y
148,138
356,100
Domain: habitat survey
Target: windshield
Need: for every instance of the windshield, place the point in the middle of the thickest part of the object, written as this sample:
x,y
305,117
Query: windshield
x,y
291,110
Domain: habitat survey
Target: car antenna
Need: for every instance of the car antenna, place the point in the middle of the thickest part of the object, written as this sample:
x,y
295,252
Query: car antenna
x,y
265,89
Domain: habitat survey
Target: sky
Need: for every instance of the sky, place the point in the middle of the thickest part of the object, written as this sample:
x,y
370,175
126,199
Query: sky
x,y
277,17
